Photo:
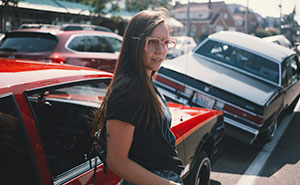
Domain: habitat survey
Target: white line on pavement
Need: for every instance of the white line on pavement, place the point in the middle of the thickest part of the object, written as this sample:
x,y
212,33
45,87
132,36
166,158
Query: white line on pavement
x,y
259,162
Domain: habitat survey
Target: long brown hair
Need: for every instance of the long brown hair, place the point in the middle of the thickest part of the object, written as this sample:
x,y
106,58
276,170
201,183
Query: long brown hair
x,y
130,63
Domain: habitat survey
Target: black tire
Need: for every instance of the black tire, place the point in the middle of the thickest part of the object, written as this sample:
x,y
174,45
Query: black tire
x,y
269,134
200,174
291,108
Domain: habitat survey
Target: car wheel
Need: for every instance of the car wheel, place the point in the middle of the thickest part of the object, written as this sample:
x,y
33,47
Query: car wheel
x,y
200,174
270,132
291,108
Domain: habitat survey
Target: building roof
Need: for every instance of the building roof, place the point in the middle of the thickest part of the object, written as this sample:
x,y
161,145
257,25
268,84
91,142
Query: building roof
x,y
56,6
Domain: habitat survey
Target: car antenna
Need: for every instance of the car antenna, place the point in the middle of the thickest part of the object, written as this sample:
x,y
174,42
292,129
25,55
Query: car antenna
x,y
184,81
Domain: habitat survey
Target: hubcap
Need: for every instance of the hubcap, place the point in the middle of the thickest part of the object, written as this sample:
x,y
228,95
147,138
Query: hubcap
x,y
272,130
203,173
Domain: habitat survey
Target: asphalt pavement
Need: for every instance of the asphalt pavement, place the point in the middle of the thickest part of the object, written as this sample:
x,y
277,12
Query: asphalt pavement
x,y
277,163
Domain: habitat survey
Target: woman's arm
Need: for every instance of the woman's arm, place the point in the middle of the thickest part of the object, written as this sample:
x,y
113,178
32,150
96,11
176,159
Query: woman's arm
x,y
119,139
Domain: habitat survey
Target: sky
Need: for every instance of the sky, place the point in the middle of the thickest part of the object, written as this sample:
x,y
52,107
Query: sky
x,y
264,7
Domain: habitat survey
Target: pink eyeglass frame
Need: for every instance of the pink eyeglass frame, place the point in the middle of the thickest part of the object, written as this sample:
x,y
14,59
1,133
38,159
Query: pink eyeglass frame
x,y
161,42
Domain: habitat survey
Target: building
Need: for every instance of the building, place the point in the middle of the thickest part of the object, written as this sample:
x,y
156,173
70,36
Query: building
x,y
44,11
253,22
205,18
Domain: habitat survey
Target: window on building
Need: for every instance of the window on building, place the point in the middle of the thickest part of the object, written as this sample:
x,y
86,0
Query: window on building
x,y
204,29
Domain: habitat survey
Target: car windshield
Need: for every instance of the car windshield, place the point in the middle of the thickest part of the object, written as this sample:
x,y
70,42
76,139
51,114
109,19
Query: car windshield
x,y
28,42
241,59
64,114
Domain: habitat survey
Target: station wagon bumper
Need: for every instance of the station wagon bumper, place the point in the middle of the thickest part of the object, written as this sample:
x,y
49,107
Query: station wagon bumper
x,y
240,131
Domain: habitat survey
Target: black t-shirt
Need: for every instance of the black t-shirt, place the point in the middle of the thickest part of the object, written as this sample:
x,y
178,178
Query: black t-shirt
x,y
153,149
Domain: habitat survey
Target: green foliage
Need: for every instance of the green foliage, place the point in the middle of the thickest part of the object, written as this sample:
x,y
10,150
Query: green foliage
x,y
9,2
289,26
273,31
262,33
99,5
202,37
138,5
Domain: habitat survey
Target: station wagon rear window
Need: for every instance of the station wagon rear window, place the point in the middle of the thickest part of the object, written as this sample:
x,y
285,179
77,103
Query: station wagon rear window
x,y
28,42
241,59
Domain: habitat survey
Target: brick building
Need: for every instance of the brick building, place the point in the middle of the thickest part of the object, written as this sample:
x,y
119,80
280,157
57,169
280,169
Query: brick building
x,y
205,18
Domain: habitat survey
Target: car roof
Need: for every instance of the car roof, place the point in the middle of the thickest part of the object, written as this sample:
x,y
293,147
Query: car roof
x,y
61,32
27,74
254,44
279,38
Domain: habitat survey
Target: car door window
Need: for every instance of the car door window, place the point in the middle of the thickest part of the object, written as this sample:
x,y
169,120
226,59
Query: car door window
x,y
77,43
284,74
64,115
16,157
292,70
115,44
98,44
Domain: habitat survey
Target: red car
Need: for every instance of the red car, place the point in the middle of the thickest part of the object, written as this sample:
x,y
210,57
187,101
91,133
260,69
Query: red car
x,y
89,48
45,115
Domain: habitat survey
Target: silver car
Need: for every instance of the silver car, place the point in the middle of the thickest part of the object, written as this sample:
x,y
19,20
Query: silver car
x,y
251,80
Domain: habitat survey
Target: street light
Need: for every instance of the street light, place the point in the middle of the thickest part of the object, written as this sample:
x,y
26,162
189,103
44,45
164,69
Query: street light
x,y
188,18
280,6
246,17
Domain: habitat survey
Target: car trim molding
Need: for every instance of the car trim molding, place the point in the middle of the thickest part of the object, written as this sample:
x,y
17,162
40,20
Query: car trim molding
x,y
242,127
196,90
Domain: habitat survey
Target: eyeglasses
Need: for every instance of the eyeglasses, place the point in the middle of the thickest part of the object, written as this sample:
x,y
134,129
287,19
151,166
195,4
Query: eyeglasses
x,y
152,44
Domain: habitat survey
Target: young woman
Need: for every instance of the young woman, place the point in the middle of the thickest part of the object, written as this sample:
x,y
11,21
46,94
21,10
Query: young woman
x,y
134,118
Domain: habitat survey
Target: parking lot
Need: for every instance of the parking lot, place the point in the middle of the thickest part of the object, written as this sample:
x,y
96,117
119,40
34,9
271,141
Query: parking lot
x,y
276,163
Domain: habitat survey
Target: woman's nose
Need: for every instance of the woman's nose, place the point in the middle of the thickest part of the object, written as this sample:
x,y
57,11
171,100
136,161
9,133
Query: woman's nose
x,y
162,48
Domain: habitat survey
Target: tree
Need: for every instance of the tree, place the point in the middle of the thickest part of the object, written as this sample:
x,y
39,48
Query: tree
x,y
99,5
5,4
262,33
138,5
289,26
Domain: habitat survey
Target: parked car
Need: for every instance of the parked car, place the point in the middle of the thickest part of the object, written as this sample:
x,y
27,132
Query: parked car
x,y
184,45
280,40
45,115
71,27
283,41
251,80
39,26
65,27
95,49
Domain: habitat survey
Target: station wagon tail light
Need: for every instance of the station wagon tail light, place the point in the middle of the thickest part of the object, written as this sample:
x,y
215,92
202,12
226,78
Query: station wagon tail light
x,y
254,118
170,83
57,59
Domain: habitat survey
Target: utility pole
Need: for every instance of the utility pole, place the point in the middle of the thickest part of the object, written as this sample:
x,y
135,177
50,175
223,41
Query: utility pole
x,y
188,18
280,6
246,17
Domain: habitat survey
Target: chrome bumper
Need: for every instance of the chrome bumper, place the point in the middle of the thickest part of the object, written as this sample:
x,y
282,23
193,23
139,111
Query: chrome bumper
x,y
240,131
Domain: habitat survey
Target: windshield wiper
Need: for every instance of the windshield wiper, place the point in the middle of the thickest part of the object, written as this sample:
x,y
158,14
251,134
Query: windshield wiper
x,y
8,49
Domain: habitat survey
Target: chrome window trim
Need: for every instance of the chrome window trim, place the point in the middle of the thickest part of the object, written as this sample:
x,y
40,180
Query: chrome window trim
x,y
202,92
76,171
